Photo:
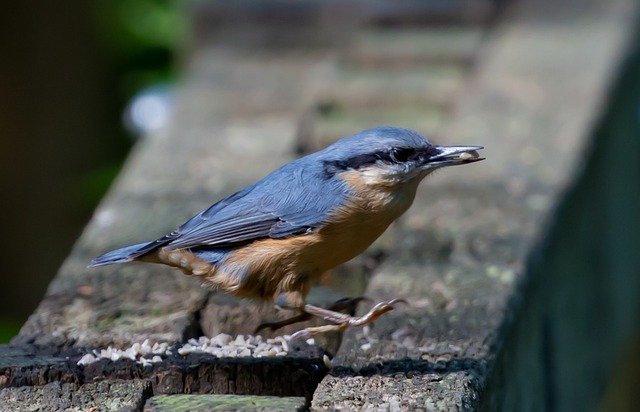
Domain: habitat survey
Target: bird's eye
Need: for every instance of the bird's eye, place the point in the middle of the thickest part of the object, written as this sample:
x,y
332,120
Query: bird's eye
x,y
401,155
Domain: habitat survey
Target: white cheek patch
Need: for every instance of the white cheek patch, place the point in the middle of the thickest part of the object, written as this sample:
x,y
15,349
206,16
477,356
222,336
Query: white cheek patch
x,y
376,175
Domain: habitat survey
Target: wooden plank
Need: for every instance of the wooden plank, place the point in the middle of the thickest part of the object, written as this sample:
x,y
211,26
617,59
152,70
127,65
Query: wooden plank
x,y
296,374
102,396
408,47
205,403
428,85
532,106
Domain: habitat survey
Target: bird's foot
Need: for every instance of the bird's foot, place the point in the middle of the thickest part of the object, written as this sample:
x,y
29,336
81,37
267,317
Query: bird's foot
x,y
347,305
343,321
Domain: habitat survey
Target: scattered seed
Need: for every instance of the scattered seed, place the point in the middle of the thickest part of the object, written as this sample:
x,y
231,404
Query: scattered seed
x,y
327,361
87,359
365,346
222,345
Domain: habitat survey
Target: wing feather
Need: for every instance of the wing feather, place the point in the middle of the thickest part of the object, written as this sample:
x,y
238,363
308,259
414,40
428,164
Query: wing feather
x,y
284,203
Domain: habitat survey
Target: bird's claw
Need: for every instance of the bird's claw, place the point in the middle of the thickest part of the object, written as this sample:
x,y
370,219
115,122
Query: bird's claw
x,y
343,305
342,321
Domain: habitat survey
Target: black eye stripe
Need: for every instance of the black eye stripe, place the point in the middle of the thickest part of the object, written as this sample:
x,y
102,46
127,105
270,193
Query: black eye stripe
x,y
395,155
353,162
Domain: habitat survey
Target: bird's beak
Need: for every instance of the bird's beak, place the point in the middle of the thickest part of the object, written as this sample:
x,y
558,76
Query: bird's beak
x,y
453,155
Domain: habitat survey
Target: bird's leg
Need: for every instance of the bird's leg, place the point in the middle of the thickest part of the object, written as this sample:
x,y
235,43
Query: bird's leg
x,y
347,305
343,321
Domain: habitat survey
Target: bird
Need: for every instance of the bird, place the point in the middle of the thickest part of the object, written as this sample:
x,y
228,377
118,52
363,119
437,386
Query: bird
x,y
272,240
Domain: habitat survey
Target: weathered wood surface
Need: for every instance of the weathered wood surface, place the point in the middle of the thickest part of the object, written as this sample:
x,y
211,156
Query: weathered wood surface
x,y
113,395
205,403
457,256
297,374
532,104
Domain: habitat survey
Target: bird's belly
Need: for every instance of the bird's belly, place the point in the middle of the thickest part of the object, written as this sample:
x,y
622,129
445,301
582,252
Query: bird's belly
x,y
265,268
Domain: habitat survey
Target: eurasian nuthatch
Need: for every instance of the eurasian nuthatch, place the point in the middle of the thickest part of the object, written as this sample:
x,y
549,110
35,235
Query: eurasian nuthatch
x,y
273,239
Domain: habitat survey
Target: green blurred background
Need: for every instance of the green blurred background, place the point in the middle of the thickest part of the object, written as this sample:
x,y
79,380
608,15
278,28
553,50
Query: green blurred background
x,y
68,71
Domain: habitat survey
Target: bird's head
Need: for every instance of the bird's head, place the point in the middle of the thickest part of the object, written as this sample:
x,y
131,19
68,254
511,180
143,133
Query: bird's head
x,y
390,156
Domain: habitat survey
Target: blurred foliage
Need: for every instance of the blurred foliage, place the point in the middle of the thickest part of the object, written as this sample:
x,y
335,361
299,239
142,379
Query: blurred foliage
x,y
8,329
91,187
142,39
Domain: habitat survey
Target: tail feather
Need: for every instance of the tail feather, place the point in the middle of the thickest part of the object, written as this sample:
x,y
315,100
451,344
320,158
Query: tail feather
x,y
122,255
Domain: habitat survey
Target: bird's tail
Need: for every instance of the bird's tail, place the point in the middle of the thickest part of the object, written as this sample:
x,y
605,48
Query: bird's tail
x,y
125,254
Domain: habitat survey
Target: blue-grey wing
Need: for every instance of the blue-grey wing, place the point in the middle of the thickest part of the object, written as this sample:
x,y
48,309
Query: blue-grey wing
x,y
292,200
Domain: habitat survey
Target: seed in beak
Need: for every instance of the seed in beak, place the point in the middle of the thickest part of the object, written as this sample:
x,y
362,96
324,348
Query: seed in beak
x,y
469,155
